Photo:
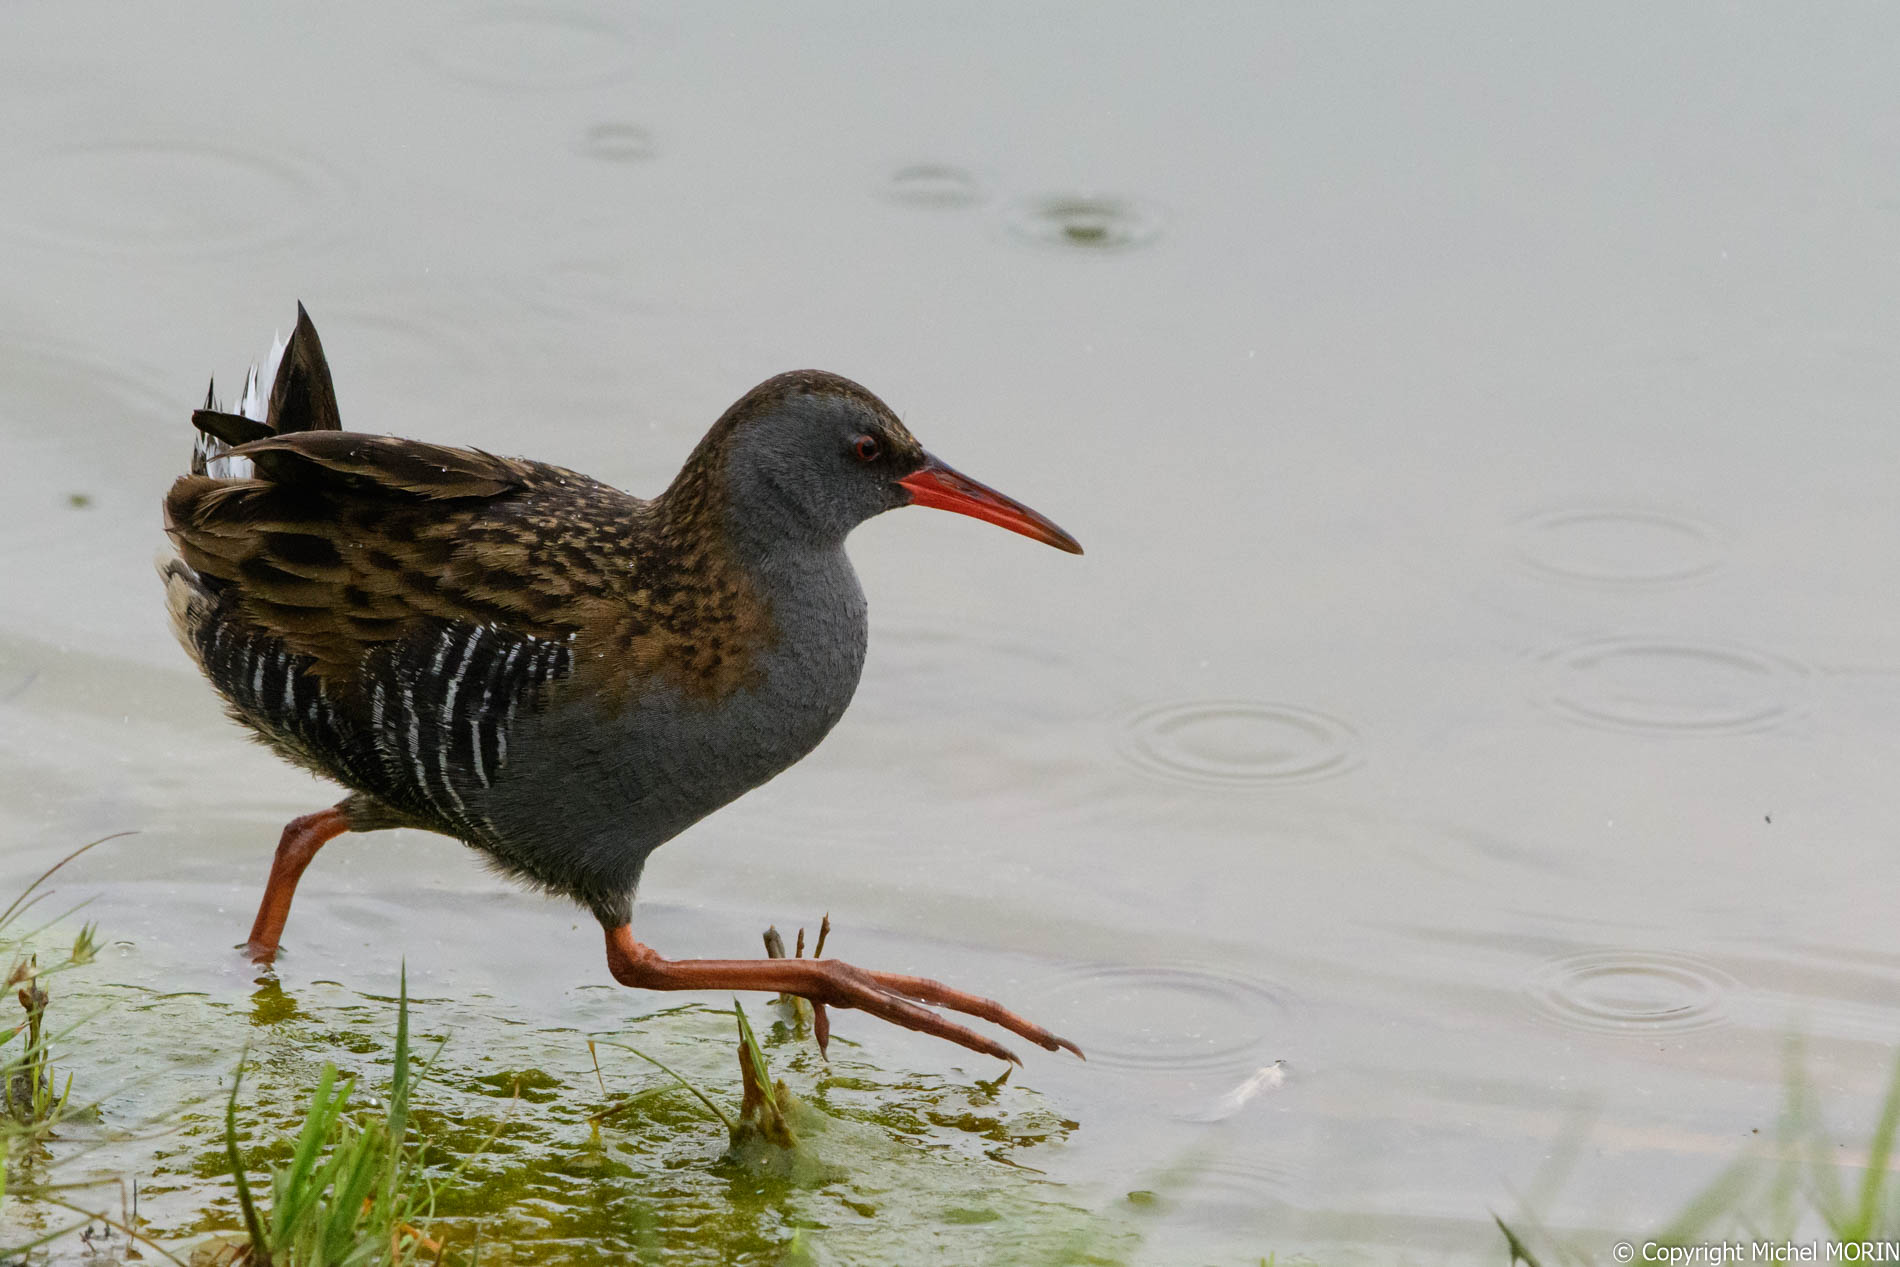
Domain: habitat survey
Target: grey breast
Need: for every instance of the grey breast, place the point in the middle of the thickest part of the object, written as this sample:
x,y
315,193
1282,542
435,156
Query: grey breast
x,y
587,796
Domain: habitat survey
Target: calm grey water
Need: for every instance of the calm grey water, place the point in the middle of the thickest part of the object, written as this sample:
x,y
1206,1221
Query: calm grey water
x,y
1480,693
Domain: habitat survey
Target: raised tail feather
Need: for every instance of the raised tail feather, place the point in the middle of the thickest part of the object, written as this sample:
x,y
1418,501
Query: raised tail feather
x,y
301,398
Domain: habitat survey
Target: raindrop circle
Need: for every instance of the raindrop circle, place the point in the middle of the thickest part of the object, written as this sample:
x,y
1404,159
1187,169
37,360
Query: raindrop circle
x,y
1238,743
1231,1193
1173,1017
933,185
618,143
1081,222
1666,686
168,196
531,50
87,414
1622,547
1625,992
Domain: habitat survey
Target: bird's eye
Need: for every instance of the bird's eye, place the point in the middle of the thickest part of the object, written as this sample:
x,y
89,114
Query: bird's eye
x,y
866,447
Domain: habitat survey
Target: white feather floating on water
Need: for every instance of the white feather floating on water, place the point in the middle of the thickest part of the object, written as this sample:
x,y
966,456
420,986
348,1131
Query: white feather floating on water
x,y
1266,1078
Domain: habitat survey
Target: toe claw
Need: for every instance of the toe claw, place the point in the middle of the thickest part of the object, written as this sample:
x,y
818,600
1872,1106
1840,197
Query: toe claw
x,y
827,983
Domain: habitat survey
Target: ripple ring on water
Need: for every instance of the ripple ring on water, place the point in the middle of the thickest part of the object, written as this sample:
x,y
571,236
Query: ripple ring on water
x,y
1238,743
618,143
1174,1017
1632,992
1238,1192
1084,222
530,50
1672,686
71,375
1618,546
932,185
170,196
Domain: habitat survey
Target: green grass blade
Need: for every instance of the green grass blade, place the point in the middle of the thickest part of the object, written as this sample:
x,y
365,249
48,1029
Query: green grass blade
x,y
253,1226
44,876
399,1081
1879,1151
677,1077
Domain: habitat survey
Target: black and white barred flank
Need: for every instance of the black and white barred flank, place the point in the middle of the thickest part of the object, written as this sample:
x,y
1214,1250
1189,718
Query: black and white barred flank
x,y
445,704
422,725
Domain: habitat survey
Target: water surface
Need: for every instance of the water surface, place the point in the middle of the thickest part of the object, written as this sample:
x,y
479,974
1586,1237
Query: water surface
x,y
1477,705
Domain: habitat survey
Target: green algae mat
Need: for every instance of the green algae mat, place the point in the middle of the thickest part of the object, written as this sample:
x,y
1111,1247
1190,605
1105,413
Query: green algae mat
x,y
538,1145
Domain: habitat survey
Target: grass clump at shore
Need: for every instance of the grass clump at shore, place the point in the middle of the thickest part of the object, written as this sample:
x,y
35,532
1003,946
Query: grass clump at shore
x,y
354,1192
33,1105
34,1101
1788,1187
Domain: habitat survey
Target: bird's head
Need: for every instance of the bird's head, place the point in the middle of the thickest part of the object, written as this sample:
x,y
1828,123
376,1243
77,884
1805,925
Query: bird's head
x,y
813,455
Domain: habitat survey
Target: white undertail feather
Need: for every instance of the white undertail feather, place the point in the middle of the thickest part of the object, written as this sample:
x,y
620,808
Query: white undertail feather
x,y
208,454
185,597
256,403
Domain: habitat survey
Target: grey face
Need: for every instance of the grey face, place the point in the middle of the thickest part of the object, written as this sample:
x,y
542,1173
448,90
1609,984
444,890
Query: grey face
x,y
817,465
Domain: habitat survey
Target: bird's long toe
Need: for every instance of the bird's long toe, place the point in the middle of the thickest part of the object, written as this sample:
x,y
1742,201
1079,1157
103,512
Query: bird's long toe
x,y
925,990
857,988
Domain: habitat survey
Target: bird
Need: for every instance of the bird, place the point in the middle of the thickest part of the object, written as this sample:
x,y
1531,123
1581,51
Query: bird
x,y
558,673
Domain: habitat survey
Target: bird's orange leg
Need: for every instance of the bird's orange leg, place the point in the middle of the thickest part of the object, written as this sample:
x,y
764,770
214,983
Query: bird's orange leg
x,y
301,839
828,981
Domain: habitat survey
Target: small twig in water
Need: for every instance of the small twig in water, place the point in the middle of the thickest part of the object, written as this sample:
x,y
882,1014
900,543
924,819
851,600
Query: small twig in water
x,y
821,1023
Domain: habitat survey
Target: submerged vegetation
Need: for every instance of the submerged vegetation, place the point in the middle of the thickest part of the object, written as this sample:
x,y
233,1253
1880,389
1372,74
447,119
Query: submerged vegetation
x,y
517,1145
645,1143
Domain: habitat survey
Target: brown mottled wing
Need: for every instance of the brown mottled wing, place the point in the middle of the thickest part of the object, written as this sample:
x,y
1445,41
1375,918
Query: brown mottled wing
x,y
345,541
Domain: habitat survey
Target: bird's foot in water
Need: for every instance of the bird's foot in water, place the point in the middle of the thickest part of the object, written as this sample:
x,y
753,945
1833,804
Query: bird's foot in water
x,y
899,999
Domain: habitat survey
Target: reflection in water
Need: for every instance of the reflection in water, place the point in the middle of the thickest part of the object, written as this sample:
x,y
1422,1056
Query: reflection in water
x,y
1632,991
270,1005
1608,546
1238,743
163,196
1671,686
1084,223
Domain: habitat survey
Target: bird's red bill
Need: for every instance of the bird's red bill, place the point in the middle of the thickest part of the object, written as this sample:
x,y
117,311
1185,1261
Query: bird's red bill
x,y
935,484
